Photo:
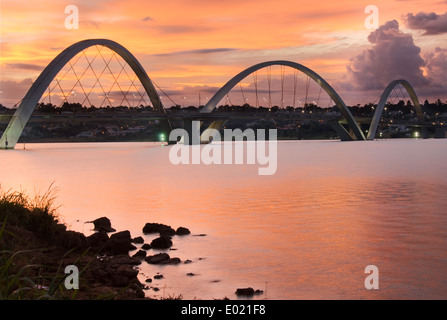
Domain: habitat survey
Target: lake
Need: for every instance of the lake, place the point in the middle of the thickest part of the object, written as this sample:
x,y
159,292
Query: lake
x,y
307,232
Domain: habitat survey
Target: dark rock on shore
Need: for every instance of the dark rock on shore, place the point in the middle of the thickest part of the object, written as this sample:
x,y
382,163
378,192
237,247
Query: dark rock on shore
x,y
172,261
162,229
158,276
71,239
158,258
97,240
182,231
125,235
248,292
138,240
146,246
162,242
119,243
103,224
245,292
141,254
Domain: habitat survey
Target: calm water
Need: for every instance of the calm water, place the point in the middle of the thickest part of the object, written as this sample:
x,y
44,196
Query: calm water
x,y
307,232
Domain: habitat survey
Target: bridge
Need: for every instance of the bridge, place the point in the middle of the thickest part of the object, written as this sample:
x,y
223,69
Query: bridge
x,y
350,131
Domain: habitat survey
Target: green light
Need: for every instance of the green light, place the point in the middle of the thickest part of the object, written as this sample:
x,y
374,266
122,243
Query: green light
x,y
162,137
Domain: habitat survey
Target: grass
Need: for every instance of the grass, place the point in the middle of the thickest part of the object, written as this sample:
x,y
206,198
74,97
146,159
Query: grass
x,y
26,221
37,214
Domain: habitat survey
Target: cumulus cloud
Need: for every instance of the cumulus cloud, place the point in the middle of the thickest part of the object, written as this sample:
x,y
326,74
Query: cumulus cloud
x,y
437,71
393,55
431,23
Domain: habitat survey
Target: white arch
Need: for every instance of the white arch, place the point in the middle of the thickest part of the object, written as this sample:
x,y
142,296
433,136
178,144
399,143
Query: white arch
x,y
357,132
32,97
381,106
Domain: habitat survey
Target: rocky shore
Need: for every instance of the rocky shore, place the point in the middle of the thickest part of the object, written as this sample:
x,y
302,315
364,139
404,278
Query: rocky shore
x,y
106,270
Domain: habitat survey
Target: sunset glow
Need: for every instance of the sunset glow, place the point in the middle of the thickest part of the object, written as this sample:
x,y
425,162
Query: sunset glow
x,y
187,46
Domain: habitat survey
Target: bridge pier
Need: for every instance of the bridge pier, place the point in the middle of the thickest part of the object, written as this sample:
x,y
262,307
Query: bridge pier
x,y
424,133
192,128
341,131
440,133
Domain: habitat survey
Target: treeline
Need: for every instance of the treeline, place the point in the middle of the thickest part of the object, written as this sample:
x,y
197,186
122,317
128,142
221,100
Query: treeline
x,y
367,110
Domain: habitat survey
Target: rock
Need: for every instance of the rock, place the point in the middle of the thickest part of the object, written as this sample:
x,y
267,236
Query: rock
x,y
119,281
127,271
119,243
103,224
158,276
200,235
149,280
181,231
245,292
257,292
138,240
162,242
71,239
97,239
187,261
146,246
141,254
158,228
172,261
123,260
158,258
117,246
190,274
121,235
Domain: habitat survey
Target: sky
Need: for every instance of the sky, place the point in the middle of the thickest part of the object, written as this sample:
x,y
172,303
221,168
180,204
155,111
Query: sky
x,y
192,48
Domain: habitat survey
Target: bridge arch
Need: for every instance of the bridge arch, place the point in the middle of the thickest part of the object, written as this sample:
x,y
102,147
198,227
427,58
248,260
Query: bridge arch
x,y
357,133
32,97
381,105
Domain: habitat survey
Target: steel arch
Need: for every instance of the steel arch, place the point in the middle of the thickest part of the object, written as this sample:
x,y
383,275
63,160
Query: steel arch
x,y
32,97
212,103
381,105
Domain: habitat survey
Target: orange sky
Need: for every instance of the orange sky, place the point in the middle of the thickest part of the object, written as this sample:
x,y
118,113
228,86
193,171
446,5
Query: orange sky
x,y
170,37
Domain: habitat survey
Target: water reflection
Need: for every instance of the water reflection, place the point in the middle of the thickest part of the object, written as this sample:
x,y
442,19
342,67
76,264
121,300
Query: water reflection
x,y
306,232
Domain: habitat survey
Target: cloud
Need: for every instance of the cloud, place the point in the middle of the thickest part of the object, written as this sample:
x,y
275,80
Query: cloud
x,y
147,19
431,23
182,29
393,55
90,23
25,66
12,91
436,72
195,51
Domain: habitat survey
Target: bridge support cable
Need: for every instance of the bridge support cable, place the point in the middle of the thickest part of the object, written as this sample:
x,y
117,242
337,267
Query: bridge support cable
x,y
255,80
295,82
243,95
307,90
282,86
269,80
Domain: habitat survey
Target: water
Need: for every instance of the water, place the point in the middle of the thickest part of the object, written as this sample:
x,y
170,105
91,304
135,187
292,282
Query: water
x,y
307,232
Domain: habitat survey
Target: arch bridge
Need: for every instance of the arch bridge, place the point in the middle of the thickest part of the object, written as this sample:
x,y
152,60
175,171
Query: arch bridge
x,y
34,94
